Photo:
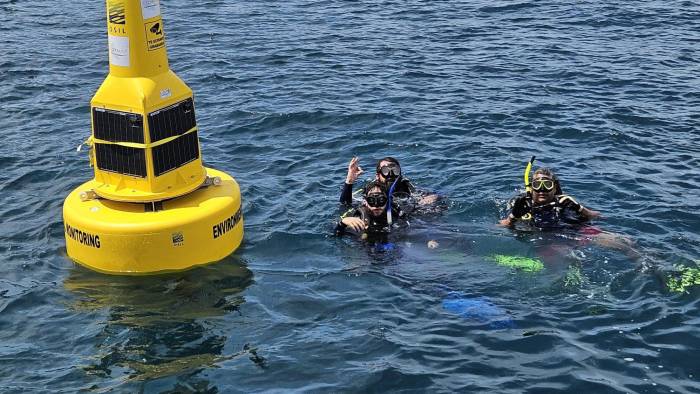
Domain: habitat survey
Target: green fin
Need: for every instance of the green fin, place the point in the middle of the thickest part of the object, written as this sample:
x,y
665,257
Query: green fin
x,y
520,262
574,277
684,279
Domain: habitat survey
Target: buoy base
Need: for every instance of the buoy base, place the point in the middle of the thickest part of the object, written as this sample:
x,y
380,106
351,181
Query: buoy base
x,y
123,238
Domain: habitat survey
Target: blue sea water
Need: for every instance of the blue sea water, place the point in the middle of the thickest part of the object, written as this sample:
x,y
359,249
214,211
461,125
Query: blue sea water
x,y
463,93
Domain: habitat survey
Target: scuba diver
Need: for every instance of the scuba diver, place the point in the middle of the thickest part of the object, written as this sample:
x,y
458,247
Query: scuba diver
x,y
544,206
388,174
374,219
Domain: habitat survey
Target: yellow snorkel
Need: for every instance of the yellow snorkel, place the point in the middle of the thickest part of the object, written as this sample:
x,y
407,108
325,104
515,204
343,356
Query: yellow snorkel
x,y
528,187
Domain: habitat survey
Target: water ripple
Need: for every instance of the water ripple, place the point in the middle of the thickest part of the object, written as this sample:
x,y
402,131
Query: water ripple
x,y
286,93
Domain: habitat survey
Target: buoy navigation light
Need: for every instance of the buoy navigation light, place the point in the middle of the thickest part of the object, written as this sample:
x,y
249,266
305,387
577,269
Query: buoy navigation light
x,y
152,205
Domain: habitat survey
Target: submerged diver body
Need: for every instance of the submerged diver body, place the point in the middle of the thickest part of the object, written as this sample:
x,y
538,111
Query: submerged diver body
x,y
544,207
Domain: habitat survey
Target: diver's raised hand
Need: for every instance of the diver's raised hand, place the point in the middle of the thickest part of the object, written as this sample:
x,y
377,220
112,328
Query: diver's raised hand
x,y
356,224
354,170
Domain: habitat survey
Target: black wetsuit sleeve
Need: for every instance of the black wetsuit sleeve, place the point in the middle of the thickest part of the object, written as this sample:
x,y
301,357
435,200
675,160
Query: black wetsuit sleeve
x,y
520,207
572,209
567,202
346,194
404,188
340,227
408,186
396,211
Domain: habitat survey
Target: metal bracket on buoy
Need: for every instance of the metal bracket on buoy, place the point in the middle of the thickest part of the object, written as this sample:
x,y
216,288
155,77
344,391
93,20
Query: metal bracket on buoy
x,y
212,180
88,195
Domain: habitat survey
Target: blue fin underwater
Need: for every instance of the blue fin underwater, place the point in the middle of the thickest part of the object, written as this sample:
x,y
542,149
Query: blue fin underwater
x,y
479,309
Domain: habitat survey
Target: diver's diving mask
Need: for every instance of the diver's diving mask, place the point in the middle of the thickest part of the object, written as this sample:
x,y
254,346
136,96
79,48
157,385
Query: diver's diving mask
x,y
390,171
376,200
543,185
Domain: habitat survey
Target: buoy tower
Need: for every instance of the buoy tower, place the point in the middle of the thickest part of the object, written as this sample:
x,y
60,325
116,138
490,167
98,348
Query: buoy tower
x,y
152,206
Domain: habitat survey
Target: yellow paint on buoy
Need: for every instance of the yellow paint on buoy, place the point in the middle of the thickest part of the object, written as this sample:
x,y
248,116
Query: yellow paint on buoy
x,y
129,238
152,206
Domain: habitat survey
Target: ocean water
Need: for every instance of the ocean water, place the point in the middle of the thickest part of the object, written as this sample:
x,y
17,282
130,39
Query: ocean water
x,y
463,93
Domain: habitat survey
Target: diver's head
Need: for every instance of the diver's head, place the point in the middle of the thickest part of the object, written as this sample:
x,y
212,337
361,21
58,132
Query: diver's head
x,y
388,170
375,198
545,186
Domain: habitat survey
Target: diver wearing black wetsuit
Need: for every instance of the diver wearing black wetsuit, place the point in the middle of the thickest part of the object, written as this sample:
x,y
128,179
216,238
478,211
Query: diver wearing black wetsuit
x,y
403,189
545,206
388,174
562,211
374,224
372,220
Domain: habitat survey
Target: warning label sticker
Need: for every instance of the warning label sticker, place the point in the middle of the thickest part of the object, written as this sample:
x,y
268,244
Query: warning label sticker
x,y
155,39
165,93
118,50
150,8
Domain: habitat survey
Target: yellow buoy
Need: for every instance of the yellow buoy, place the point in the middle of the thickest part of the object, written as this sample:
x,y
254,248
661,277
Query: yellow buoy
x,y
152,206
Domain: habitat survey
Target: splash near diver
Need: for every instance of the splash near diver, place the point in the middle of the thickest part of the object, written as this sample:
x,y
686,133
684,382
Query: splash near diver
x,y
152,205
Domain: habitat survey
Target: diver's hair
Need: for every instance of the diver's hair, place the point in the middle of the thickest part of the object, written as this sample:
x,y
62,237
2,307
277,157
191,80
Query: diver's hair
x,y
389,159
372,185
548,172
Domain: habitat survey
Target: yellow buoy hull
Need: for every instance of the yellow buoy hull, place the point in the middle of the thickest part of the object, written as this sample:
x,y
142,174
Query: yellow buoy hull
x,y
115,237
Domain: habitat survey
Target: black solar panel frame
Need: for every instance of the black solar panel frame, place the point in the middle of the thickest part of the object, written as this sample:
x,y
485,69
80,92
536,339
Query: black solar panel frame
x,y
121,159
175,154
174,120
117,126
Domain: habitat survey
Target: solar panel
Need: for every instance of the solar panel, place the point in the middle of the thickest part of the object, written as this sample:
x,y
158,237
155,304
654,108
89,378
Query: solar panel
x,y
121,159
170,121
117,126
175,153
